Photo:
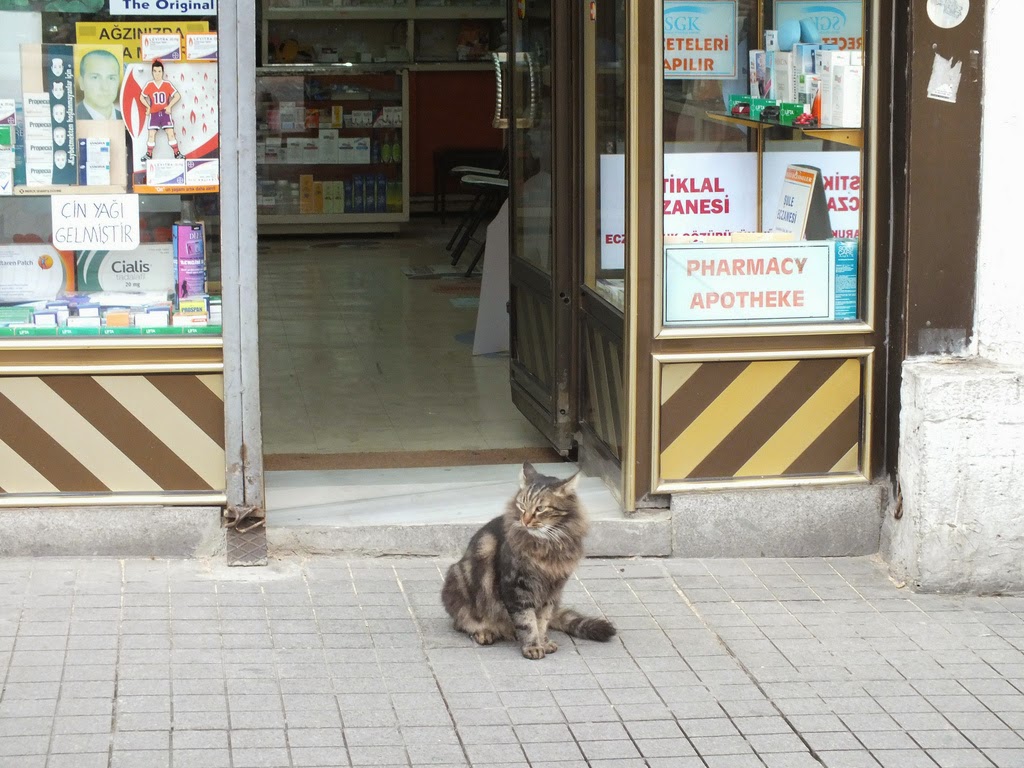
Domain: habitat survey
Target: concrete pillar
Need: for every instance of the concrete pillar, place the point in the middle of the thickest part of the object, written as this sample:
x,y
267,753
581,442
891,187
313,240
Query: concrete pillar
x,y
961,457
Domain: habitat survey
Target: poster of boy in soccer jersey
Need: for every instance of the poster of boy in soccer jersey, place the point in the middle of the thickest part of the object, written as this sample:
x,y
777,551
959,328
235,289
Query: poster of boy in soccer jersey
x,y
170,110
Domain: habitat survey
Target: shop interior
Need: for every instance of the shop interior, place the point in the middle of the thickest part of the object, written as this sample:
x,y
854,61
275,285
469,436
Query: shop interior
x,y
375,380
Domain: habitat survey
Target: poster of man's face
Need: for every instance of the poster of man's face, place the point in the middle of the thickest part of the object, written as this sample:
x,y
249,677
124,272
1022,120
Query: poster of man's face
x,y
60,135
59,113
57,67
60,158
100,69
58,90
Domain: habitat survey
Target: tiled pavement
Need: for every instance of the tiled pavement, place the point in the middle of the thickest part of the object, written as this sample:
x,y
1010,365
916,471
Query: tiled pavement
x,y
334,662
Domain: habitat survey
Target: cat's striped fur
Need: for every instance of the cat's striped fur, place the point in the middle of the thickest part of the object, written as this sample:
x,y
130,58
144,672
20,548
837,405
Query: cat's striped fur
x,y
508,584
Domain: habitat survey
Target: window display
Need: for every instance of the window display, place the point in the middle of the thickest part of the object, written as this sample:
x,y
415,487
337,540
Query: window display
x,y
109,147
762,166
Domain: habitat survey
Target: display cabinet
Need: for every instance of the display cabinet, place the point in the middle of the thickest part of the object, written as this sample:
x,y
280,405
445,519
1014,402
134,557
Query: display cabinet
x,y
408,32
331,149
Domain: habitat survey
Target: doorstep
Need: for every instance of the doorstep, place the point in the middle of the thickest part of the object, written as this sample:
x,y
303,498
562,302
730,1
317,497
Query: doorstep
x,y
432,512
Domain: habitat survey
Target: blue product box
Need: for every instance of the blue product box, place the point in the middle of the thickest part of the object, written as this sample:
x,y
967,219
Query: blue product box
x,y
382,193
348,196
370,193
357,193
847,253
803,55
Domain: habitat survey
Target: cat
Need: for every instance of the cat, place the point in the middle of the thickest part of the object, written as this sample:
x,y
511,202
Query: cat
x,y
508,584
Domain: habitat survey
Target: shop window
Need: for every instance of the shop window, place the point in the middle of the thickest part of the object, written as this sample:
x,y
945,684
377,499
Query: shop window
x,y
605,49
762,127
109,169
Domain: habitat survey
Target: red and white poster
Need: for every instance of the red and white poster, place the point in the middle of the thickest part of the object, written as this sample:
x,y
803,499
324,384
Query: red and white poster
x,y
704,194
840,174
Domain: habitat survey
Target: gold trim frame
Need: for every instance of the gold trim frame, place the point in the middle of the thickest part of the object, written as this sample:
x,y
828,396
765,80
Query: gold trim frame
x,y
864,354
170,499
866,278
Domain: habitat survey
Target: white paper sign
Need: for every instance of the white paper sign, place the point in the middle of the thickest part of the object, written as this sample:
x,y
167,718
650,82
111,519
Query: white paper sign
x,y
794,203
840,174
163,7
748,282
704,193
100,222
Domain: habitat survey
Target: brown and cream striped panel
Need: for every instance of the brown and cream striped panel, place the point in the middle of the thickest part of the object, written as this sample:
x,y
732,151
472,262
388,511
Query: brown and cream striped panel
x,y
602,406
112,434
758,419
534,336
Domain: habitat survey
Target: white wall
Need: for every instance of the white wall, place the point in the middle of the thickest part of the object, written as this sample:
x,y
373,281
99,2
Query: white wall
x,y
961,455
999,308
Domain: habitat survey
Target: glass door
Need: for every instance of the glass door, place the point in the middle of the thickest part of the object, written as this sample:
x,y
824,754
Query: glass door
x,y
541,220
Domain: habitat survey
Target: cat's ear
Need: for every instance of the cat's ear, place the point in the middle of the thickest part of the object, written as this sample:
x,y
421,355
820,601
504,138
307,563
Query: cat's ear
x,y
569,484
527,474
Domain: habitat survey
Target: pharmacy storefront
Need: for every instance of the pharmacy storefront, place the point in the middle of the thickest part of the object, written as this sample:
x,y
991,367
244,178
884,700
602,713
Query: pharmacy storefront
x,y
118,262
727,264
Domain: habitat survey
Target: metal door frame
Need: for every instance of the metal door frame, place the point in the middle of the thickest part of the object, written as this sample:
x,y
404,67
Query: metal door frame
x,y
566,51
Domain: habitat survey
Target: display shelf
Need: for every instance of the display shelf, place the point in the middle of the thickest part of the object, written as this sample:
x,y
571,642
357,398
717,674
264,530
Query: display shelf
x,y
852,137
332,168
63,331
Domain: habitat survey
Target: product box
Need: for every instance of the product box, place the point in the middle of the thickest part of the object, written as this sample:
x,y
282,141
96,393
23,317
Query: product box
x,y
33,272
803,57
359,118
7,114
306,194
828,61
846,256
758,74
771,40
337,117
150,267
783,75
189,248
318,197
162,47
347,200
328,146
165,172
361,150
788,112
274,151
201,46
807,88
382,193
847,95
310,151
369,193
6,181
44,318
203,171
94,162
357,193
294,150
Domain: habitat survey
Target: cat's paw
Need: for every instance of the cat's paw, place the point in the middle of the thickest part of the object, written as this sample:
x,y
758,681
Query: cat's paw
x,y
550,646
485,637
534,652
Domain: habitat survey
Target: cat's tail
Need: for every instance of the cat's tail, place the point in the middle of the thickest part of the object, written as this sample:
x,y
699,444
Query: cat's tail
x,y
585,627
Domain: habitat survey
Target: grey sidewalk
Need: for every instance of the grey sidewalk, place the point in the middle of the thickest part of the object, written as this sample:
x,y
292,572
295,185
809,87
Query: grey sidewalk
x,y
334,662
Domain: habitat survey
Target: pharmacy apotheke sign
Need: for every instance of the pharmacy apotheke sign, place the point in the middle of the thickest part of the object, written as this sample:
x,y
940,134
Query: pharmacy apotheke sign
x,y
700,40
748,283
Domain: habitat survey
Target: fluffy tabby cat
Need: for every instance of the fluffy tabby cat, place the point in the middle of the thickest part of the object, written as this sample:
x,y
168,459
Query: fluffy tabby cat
x,y
508,584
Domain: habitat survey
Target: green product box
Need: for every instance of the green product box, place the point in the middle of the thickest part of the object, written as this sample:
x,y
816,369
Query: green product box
x,y
6,135
35,331
129,331
15,315
738,98
788,112
65,331
6,332
166,330
757,105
